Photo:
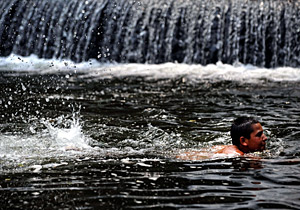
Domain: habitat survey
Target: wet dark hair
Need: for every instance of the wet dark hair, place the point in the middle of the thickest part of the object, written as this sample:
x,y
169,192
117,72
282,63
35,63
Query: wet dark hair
x,y
242,126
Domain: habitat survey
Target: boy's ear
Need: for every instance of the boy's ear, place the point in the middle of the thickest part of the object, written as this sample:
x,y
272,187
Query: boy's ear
x,y
243,141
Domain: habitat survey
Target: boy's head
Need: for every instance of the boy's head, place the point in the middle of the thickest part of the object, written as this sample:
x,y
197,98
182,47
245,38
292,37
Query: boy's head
x,y
247,134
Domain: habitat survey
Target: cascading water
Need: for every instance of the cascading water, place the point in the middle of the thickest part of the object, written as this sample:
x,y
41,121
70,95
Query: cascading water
x,y
262,33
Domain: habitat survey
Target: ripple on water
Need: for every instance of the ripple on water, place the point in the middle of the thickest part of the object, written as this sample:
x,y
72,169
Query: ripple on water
x,y
119,150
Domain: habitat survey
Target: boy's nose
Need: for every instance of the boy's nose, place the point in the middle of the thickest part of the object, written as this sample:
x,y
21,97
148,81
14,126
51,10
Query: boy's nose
x,y
265,137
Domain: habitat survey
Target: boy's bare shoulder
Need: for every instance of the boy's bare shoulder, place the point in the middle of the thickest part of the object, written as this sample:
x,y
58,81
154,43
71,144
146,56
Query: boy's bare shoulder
x,y
227,150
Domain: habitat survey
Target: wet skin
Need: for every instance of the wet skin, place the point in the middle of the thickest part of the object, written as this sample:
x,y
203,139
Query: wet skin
x,y
256,142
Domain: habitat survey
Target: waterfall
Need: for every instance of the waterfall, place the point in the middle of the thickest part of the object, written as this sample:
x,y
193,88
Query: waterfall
x,y
259,32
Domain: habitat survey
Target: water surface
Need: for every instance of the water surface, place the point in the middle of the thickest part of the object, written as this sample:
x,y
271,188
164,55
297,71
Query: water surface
x,y
94,135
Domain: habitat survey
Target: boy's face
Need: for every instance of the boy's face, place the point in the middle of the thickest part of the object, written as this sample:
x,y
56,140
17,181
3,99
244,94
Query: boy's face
x,y
257,141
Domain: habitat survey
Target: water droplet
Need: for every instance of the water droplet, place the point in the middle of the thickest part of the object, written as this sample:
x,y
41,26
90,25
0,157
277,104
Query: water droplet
x,y
23,87
32,129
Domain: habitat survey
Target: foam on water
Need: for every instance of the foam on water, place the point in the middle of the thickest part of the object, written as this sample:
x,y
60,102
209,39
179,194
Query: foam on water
x,y
191,73
194,73
40,65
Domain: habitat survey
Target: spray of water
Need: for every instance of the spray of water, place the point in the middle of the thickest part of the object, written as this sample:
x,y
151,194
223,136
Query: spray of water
x,y
66,134
61,138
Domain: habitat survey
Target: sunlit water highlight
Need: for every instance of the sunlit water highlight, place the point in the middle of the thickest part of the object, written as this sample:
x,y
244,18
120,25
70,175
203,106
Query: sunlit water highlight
x,y
107,135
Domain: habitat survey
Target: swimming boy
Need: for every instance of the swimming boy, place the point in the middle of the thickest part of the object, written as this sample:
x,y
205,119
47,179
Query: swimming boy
x,y
247,136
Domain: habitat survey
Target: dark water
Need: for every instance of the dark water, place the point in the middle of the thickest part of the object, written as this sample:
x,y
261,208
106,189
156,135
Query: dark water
x,y
258,32
125,132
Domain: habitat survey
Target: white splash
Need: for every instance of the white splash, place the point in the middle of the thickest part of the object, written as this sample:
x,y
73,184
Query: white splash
x,y
70,138
62,137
